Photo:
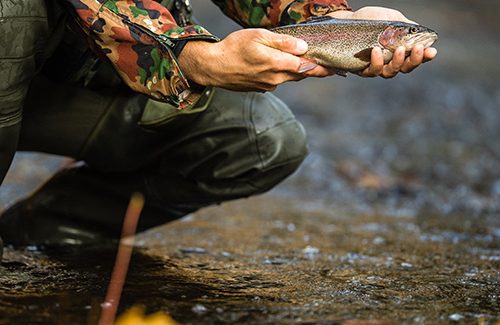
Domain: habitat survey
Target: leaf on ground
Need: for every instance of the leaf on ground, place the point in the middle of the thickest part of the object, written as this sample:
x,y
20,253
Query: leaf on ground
x,y
135,316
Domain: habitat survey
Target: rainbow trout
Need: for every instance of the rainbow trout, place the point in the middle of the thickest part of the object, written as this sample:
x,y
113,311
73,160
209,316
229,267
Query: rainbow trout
x,y
346,45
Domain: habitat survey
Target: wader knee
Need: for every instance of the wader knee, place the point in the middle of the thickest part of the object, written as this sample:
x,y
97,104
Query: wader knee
x,y
279,138
276,143
243,144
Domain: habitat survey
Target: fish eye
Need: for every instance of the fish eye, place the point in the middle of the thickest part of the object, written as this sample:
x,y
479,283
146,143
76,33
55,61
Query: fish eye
x,y
413,30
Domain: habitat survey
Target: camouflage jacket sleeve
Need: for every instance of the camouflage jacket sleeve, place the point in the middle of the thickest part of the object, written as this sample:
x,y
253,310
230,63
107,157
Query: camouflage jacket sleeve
x,y
272,13
138,37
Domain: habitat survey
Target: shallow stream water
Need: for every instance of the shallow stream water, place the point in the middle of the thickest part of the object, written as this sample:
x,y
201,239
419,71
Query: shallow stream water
x,y
393,218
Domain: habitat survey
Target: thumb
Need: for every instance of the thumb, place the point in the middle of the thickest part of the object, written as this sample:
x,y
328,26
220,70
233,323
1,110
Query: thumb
x,y
286,43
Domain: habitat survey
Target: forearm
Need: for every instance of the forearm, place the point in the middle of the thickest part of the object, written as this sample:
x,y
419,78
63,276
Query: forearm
x,y
278,12
139,39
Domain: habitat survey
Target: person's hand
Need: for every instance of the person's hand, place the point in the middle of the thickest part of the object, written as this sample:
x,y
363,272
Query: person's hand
x,y
399,62
372,13
249,60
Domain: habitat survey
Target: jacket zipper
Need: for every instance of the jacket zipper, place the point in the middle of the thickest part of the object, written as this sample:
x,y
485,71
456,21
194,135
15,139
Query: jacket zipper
x,y
165,40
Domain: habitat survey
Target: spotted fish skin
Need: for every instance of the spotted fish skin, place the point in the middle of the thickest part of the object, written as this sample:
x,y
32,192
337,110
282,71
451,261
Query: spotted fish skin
x,y
346,44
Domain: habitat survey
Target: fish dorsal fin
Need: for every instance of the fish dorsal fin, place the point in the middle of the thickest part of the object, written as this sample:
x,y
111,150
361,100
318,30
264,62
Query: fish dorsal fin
x,y
316,19
364,55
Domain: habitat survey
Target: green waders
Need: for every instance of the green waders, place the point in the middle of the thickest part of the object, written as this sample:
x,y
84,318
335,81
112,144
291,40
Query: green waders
x,y
230,145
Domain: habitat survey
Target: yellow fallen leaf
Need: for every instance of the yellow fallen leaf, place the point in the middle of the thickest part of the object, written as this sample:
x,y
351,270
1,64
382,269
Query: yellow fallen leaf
x,y
135,316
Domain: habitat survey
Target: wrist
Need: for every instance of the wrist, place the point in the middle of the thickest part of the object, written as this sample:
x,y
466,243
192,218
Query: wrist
x,y
193,61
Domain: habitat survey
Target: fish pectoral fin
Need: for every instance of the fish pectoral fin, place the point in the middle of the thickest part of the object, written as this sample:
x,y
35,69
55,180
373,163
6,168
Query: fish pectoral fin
x,y
364,55
387,54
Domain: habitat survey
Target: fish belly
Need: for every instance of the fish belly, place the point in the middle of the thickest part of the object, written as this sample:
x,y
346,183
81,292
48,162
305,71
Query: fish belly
x,y
337,60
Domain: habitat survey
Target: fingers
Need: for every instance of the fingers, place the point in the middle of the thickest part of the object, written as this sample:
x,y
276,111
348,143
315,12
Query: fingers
x,y
394,66
399,62
376,64
285,43
283,52
414,60
291,47
429,54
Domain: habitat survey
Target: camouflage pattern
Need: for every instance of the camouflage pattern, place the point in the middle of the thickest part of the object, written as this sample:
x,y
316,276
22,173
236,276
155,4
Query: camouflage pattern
x,y
273,13
138,35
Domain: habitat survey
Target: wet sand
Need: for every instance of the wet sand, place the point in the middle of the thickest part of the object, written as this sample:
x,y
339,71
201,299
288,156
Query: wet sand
x,y
394,217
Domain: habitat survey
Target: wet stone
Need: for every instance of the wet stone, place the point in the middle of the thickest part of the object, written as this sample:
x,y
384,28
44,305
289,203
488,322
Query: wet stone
x,y
310,252
199,309
193,250
406,265
456,317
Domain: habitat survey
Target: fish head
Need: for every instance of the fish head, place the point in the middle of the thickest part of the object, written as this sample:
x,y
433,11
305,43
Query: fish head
x,y
408,35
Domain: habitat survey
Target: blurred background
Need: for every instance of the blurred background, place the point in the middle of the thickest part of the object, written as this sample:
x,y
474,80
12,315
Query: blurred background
x,y
432,133
394,215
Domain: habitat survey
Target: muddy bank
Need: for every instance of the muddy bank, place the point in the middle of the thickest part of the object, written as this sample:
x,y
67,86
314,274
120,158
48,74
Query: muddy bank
x,y
265,260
